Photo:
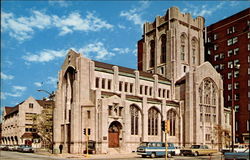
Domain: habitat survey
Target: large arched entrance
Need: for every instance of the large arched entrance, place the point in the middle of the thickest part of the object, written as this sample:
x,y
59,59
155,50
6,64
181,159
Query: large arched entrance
x,y
114,134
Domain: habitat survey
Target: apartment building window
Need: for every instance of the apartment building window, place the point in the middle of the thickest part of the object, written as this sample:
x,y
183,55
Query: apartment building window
x,y
236,51
96,82
236,62
222,56
236,108
236,74
229,64
236,85
229,86
31,105
215,47
248,35
215,36
208,52
120,86
229,42
229,97
216,57
103,83
237,96
131,87
235,40
208,39
248,70
229,53
248,59
248,47
109,84
216,67
230,30
248,83
222,66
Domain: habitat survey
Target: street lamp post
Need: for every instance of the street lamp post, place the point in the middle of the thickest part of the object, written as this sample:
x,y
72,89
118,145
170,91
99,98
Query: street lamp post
x,y
233,67
51,97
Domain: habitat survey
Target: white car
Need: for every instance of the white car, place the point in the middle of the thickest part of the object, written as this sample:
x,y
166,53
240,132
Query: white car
x,y
177,150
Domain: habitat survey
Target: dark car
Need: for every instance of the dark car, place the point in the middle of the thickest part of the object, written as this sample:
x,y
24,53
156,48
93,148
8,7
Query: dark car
x,y
91,148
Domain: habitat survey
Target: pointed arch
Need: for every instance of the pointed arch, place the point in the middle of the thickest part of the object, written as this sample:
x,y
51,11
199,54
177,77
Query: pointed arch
x,y
171,116
183,39
195,51
135,115
152,53
153,121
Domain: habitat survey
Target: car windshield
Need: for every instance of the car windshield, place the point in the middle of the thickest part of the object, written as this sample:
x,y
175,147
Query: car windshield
x,y
144,144
195,146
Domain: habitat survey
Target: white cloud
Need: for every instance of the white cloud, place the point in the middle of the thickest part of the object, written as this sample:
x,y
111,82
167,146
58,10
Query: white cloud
x,y
3,95
203,10
60,3
121,26
6,77
135,13
17,91
52,81
45,55
23,28
75,22
121,50
96,50
19,88
38,84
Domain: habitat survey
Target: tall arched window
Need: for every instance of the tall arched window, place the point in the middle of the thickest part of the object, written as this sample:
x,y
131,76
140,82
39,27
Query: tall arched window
x,y
163,48
194,50
134,112
171,116
208,93
183,46
153,116
152,54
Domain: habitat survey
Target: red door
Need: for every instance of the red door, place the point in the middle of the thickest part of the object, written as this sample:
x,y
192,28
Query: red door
x,y
113,139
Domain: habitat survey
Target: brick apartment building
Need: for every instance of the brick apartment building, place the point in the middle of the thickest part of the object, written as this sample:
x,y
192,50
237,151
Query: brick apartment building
x,y
227,49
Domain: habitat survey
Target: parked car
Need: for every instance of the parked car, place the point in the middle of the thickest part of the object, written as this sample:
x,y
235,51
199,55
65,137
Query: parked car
x,y
154,149
196,150
25,148
6,148
15,148
237,155
2,147
177,150
10,148
237,148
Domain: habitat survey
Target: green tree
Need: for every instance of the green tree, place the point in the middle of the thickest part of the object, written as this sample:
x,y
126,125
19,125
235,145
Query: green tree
x,y
43,123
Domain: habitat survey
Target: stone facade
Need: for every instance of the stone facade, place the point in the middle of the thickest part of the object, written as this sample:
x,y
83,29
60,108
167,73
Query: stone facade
x,y
122,107
17,125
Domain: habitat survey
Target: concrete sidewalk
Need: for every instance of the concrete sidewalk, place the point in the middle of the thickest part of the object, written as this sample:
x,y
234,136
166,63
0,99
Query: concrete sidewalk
x,y
91,156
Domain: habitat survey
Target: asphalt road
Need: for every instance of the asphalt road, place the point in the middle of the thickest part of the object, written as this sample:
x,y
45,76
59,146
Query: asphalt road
x,y
7,155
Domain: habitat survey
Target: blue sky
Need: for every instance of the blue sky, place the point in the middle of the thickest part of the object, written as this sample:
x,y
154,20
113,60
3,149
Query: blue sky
x,y
35,36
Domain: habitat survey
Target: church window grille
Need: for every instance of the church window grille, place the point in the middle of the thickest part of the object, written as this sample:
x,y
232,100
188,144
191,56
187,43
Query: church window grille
x,y
159,92
120,86
131,87
167,93
182,52
150,91
126,87
171,116
141,87
153,121
146,90
134,111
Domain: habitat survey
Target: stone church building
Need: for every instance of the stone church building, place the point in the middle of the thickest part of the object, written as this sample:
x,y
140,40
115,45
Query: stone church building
x,y
122,107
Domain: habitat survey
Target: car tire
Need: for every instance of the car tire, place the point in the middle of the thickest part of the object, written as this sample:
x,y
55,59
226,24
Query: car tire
x,y
196,154
169,155
153,155
143,156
